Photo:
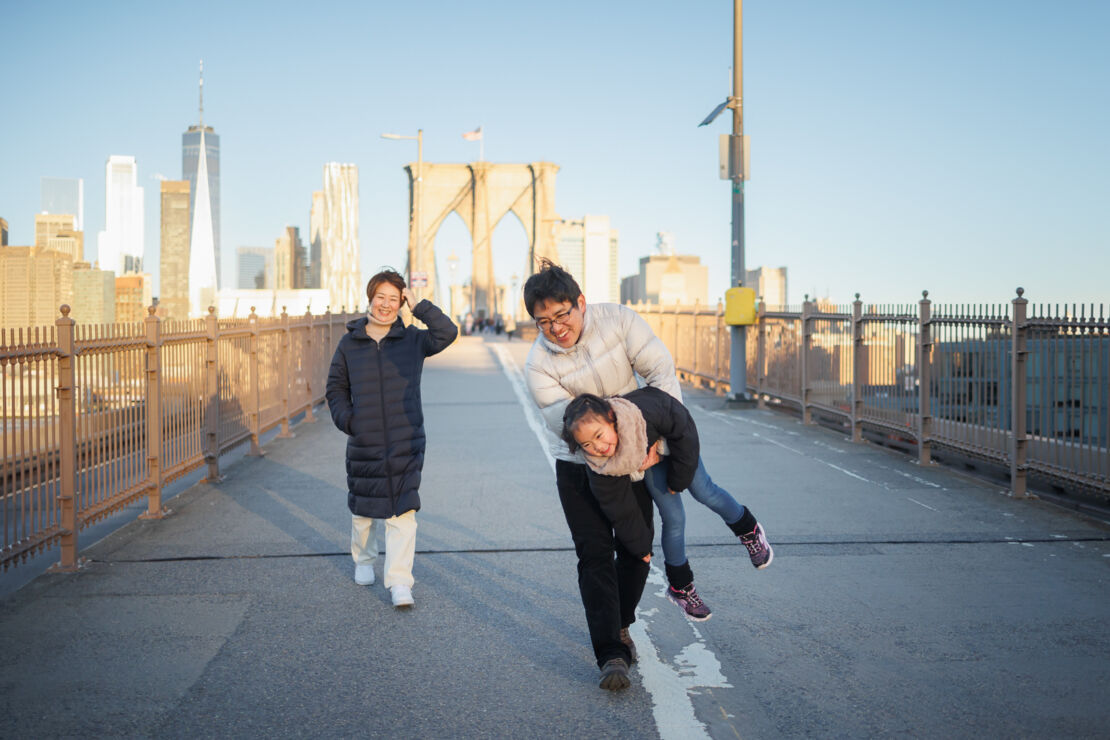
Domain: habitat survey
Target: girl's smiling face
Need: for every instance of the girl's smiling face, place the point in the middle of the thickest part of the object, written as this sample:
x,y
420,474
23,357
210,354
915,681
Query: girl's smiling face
x,y
596,436
386,303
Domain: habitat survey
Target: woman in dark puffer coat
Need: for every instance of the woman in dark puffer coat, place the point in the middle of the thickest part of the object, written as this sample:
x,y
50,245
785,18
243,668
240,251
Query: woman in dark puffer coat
x,y
373,393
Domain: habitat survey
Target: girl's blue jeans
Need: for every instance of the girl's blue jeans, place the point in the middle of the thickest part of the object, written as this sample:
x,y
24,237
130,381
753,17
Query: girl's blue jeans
x,y
703,489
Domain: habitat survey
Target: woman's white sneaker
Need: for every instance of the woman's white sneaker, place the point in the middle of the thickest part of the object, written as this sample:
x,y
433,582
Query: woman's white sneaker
x,y
402,596
364,575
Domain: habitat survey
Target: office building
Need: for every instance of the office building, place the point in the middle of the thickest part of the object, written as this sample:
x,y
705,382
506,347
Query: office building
x,y
123,216
340,274
94,295
133,296
64,195
3,232
173,294
203,265
667,278
315,238
55,231
197,140
290,266
769,284
255,268
34,283
589,250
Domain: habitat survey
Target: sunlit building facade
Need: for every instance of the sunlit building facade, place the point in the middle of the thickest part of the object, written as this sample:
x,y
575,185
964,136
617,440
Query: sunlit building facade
x,y
255,268
769,284
94,295
34,283
315,238
122,236
190,167
290,268
173,293
589,250
340,274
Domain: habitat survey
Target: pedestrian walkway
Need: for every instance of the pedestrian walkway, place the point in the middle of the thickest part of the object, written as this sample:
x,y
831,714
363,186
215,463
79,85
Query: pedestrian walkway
x,y
902,600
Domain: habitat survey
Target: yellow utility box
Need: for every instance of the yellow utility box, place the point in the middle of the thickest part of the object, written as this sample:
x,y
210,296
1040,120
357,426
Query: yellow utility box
x,y
740,306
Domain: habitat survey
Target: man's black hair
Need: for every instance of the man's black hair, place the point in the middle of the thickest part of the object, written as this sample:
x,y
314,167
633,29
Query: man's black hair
x,y
551,283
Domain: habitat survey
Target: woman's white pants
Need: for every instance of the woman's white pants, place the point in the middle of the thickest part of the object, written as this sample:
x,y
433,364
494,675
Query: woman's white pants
x,y
400,546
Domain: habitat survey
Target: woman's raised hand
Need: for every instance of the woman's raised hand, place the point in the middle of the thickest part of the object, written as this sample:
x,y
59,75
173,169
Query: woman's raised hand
x,y
408,297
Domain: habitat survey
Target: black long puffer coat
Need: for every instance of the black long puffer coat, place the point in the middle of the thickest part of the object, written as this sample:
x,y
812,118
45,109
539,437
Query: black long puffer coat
x,y
373,393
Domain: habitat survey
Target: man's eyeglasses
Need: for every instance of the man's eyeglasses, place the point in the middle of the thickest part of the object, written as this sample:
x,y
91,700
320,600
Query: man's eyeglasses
x,y
560,318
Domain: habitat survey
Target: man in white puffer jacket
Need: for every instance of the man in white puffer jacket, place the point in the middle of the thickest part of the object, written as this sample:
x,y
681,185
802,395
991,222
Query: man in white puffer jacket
x,y
597,349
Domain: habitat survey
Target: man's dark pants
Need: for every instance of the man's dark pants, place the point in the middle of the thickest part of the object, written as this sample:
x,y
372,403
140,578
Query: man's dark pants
x,y
610,588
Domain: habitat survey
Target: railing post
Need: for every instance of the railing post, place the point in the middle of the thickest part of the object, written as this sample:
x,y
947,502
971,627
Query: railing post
x,y
154,509
761,356
807,333
254,396
857,363
67,452
308,366
924,379
1018,338
212,394
284,375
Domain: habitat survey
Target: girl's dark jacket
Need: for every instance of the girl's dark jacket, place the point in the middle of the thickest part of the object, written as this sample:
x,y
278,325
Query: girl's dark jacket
x,y
665,417
373,393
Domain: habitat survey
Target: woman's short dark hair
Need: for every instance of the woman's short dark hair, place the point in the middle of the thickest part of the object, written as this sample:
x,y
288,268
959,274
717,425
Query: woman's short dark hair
x,y
388,275
584,405
551,283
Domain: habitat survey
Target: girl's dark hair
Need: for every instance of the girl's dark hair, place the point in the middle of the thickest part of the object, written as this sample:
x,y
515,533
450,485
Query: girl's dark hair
x,y
388,275
584,405
551,283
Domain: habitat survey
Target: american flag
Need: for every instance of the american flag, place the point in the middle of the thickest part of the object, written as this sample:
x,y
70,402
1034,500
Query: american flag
x,y
475,135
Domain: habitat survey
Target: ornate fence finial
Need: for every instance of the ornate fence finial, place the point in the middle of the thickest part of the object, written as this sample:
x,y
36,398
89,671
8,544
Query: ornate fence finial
x,y
1020,292
151,309
925,295
65,310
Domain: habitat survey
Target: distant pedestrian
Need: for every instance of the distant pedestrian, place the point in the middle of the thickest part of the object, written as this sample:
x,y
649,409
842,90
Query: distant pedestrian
x,y
373,393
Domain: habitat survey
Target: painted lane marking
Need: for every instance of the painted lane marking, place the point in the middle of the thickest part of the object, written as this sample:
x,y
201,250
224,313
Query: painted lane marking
x,y
930,508
670,686
531,411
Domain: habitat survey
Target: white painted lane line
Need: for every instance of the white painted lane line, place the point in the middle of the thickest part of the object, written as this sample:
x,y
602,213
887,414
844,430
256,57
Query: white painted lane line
x,y
669,689
811,457
733,420
671,685
531,411
930,508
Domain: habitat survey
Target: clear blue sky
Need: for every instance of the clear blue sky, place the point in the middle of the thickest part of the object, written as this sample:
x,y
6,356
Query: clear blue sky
x,y
954,146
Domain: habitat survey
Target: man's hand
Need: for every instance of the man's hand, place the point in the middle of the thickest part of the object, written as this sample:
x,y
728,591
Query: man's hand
x,y
647,558
652,457
408,297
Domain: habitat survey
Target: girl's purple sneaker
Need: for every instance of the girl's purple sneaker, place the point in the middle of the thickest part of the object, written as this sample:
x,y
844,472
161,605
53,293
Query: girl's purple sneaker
x,y
689,601
758,547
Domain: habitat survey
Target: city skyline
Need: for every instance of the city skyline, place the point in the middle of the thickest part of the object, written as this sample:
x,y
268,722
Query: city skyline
x,y
893,148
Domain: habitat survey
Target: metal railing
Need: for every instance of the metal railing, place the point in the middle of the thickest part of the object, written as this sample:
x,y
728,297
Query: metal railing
x,y
96,417
1025,389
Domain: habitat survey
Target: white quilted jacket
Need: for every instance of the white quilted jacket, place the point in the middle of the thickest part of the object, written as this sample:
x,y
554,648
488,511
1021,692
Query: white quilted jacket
x,y
615,346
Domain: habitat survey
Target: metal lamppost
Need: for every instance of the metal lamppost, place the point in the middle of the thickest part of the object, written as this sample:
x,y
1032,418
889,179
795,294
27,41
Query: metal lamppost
x,y
735,154
418,277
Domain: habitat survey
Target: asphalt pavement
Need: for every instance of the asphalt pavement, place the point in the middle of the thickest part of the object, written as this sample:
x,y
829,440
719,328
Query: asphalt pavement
x,y
902,600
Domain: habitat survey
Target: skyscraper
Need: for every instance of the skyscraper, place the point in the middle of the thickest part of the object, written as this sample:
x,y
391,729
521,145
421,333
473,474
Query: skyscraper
x,y
174,255
64,195
202,251
588,250
340,274
289,260
255,268
315,238
197,139
123,215
769,284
